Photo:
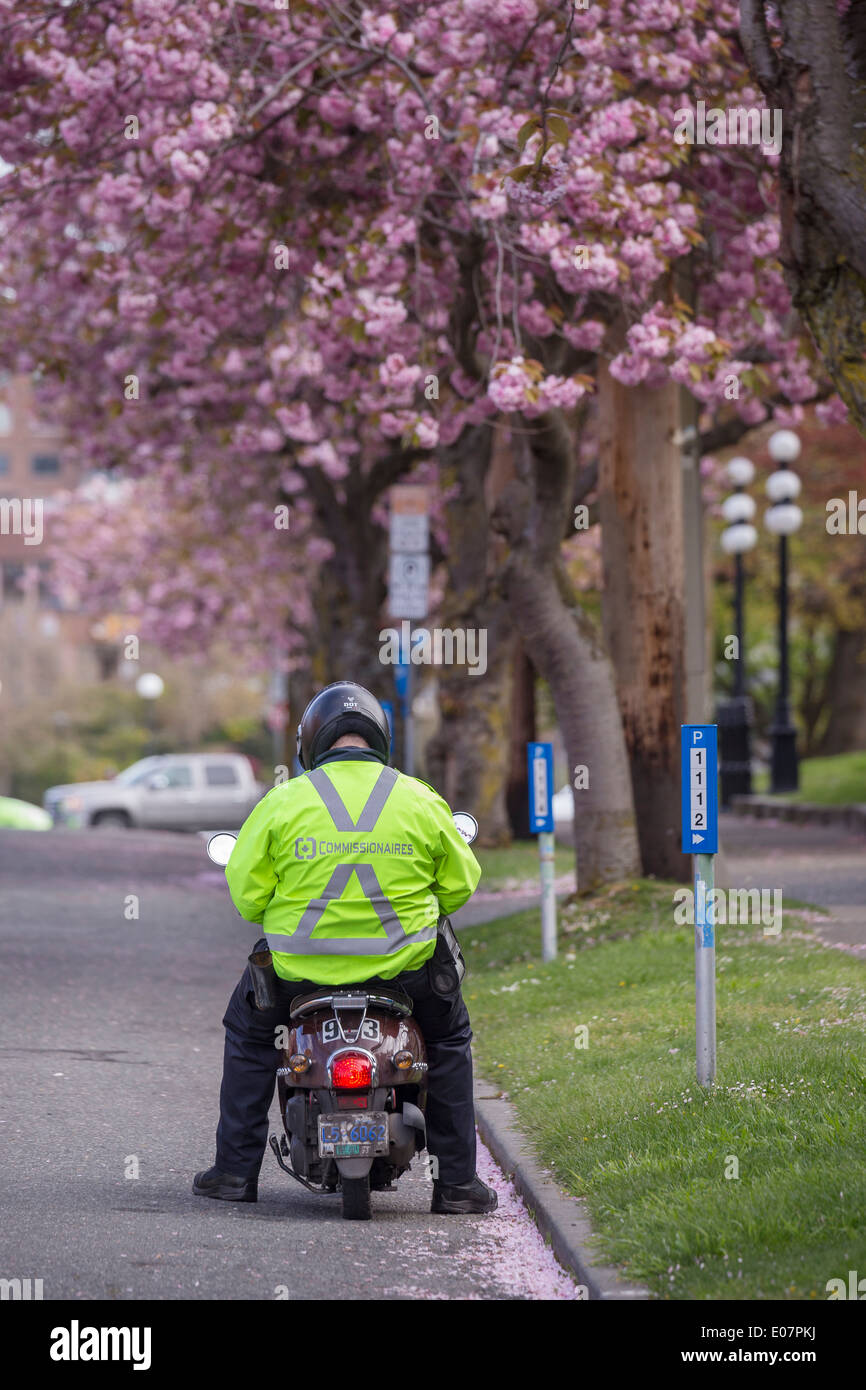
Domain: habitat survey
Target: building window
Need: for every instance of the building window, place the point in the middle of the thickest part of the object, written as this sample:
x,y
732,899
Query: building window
x,y
47,596
4,463
13,581
5,419
46,463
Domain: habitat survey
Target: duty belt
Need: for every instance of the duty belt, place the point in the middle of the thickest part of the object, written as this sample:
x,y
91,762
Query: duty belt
x,y
300,942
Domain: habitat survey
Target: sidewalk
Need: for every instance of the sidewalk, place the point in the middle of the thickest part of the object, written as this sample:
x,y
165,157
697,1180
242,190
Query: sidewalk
x,y
821,864
561,1218
846,817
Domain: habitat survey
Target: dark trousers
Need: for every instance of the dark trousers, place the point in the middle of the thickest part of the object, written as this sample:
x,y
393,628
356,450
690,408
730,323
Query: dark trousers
x,y
251,1061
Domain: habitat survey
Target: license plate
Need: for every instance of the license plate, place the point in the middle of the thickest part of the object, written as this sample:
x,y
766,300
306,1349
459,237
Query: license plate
x,y
362,1135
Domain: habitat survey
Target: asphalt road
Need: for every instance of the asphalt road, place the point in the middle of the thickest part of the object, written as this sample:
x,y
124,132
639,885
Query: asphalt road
x,y
111,1042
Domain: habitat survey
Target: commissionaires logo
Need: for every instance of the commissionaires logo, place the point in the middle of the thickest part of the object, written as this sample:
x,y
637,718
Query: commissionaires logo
x,y
308,848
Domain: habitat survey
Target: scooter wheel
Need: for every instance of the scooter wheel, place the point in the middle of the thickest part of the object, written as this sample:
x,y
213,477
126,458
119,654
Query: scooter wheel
x,y
356,1199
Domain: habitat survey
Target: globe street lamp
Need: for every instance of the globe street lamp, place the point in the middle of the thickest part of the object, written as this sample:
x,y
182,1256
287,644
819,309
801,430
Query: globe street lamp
x,y
149,686
783,519
734,716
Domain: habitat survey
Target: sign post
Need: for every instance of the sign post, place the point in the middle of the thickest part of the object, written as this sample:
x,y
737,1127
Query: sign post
x,y
540,760
408,584
700,830
403,686
388,707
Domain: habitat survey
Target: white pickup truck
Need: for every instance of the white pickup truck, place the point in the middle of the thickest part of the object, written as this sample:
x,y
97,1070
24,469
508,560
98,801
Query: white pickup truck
x,y
175,791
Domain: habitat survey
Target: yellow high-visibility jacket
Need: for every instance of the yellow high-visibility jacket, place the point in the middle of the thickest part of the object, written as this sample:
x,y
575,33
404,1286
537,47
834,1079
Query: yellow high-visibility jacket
x,y
348,869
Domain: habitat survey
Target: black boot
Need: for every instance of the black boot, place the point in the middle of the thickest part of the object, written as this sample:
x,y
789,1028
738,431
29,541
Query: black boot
x,y
225,1186
473,1198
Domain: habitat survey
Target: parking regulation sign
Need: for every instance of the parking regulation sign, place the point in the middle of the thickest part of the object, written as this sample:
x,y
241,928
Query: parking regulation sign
x,y
408,584
540,760
699,789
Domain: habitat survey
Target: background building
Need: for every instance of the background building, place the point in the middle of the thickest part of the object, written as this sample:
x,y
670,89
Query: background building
x,y
40,642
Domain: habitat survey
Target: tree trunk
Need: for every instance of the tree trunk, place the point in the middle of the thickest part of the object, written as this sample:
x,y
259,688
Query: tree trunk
x,y
467,758
846,694
349,589
566,649
641,513
818,81
345,641
522,732
301,690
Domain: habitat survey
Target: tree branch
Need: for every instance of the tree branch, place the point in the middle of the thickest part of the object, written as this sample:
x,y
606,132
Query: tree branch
x,y
760,54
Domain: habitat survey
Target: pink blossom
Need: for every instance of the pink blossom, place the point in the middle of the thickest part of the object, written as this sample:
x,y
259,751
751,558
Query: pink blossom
x,y
587,336
296,421
427,432
189,167
557,392
395,373
508,385
335,108
832,412
535,319
377,29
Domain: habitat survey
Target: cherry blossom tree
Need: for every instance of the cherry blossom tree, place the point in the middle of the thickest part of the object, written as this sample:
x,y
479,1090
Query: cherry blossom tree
x,y
284,256
810,60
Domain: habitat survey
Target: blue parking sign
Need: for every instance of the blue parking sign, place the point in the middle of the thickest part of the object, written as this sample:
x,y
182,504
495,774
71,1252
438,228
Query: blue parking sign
x,y
699,769
540,762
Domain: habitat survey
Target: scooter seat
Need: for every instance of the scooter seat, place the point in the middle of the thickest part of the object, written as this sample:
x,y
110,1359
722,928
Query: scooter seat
x,y
390,998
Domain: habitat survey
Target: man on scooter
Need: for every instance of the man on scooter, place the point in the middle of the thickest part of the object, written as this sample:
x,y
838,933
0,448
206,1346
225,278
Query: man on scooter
x,y
290,870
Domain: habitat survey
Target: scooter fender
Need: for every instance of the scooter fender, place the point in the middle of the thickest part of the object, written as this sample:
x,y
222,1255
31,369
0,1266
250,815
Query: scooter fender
x,y
404,1140
414,1118
354,1167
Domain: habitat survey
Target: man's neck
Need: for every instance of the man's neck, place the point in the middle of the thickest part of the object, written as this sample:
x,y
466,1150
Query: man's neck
x,y
334,755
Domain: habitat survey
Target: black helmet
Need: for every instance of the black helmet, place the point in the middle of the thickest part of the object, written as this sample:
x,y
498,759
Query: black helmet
x,y
341,708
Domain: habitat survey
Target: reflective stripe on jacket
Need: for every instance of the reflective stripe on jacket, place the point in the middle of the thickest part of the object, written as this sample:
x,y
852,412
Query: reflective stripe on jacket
x,y
348,869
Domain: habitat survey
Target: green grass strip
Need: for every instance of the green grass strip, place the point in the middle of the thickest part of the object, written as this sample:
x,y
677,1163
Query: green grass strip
x,y
623,1123
516,865
836,781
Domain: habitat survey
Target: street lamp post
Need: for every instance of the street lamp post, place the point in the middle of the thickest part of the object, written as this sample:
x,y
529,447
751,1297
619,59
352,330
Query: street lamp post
x,y
734,716
149,687
783,519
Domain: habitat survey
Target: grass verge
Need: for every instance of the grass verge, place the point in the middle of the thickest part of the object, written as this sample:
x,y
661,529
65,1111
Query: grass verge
x,y
836,781
623,1123
514,865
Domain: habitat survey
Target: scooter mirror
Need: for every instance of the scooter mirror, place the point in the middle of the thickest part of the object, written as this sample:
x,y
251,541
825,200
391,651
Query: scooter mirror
x,y
466,824
220,846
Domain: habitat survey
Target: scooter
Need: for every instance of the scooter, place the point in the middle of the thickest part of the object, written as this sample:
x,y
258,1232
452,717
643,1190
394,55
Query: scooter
x,y
352,1080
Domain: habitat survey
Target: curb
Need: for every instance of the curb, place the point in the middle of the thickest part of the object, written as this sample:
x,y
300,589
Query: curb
x,y
852,817
561,1218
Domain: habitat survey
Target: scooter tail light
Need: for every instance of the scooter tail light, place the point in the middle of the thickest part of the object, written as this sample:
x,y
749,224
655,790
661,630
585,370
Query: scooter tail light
x,y
352,1072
